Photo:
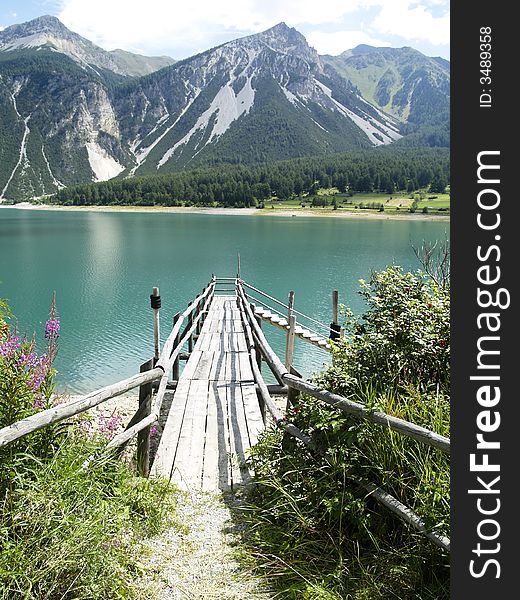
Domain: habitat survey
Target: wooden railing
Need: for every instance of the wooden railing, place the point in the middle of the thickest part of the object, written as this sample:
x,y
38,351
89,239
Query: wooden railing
x,y
156,372
258,341
147,414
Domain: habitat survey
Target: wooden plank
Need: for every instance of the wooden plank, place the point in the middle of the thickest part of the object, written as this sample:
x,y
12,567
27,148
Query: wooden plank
x,y
204,341
165,455
255,423
224,470
204,366
191,365
187,466
215,453
217,370
230,342
232,372
238,435
246,372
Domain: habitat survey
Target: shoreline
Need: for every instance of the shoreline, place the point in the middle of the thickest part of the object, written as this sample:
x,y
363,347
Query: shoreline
x,y
265,212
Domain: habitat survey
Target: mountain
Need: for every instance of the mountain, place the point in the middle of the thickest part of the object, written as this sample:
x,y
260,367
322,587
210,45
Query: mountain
x,y
259,98
70,112
49,32
402,82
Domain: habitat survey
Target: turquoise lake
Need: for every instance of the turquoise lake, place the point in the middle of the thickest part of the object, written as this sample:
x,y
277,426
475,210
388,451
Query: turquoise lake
x,y
104,265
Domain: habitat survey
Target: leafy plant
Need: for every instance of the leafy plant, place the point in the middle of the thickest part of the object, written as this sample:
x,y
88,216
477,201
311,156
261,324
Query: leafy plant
x,y
315,530
69,526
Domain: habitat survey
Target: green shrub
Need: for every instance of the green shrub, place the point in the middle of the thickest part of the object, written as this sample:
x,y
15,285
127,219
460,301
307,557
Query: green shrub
x,y
403,338
68,525
70,532
315,530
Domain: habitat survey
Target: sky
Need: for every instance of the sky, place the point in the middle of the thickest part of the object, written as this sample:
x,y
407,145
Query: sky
x,y
180,28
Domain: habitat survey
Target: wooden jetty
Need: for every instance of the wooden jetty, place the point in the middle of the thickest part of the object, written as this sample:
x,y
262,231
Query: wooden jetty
x,y
220,401
215,416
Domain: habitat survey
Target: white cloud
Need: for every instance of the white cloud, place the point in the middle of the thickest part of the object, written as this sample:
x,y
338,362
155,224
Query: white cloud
x,y
2,27
338,41
154,26
158,23
413,21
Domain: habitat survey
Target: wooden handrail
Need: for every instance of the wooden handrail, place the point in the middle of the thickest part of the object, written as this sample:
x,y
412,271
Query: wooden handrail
x,y
125,436
279,370
297,312
53,415
380,495
38,421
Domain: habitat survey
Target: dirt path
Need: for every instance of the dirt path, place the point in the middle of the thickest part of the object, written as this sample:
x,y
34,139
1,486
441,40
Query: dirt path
x,y
201,563
197,559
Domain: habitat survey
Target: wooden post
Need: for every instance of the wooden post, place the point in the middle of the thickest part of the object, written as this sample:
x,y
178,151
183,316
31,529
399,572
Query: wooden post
x,y
238,265
190,339
175,366
155,300
335,329
292,394
289,341
143,437
258,353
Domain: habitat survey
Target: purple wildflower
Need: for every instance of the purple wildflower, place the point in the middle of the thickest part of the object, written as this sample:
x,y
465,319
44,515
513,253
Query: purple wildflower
x,y
38,403
107,425
10,347
52,331
52,328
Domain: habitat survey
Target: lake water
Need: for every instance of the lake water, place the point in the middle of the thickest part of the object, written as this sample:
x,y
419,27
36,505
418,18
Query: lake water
x,y
104,265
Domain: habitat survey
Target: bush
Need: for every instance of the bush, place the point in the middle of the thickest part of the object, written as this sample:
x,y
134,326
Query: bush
x,y
67,530
311,517
402,340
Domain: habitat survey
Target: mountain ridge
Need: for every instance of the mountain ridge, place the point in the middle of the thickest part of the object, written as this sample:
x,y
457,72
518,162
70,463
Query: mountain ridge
x,y
256,99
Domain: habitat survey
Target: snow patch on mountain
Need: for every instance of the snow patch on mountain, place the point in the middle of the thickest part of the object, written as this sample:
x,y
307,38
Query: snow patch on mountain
x,y
378,135
102,164
226,107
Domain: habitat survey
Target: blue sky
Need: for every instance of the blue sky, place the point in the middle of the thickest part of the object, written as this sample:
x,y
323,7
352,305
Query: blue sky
x,y
179,29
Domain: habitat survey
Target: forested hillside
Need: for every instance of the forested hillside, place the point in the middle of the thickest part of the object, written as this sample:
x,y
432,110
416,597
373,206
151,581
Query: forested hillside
x,y
382,169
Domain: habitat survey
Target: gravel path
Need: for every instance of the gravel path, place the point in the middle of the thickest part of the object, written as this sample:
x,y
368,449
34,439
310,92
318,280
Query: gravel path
x,y
201,563
197,558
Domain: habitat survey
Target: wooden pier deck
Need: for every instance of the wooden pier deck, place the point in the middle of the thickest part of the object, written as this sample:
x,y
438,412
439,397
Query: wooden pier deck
x,y
215,415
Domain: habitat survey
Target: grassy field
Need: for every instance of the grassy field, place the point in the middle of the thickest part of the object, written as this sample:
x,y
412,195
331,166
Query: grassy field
x,y
402,202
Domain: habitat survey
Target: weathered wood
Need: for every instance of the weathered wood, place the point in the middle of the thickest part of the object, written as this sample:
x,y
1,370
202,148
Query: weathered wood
x,y
417,432
275,413
189,327
69,409
289,343
165,456
238,435
123,438
406,514
270,356
187,467
258,353
219,390
176,366
254,418
410,429
156,329
210,468
169,345
292,394
335,305
143,437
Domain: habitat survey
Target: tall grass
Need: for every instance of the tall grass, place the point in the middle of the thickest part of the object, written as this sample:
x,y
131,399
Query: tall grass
x,y
69,526
314,530
70,532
